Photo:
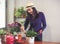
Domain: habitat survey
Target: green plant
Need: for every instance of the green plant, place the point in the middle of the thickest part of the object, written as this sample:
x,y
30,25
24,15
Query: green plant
x,y
2,32
31,33
20,11
14,27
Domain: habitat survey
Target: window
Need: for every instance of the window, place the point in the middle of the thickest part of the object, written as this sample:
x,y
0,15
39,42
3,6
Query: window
x,y
2,13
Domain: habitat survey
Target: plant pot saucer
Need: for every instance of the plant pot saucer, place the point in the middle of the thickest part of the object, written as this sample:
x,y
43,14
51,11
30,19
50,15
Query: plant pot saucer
x,y
21,41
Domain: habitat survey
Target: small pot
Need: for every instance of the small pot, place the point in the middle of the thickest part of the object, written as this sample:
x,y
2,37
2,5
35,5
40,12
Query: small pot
x,y
30,40
0,41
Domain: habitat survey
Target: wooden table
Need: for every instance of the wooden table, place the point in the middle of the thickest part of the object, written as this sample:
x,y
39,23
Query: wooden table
x,y
38,42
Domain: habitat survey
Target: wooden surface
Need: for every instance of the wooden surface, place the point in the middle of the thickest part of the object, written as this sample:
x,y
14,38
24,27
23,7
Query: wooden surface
x,y
40,43
36,42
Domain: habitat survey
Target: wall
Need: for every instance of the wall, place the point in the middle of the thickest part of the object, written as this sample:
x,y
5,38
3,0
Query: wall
x,y
51,9
10,11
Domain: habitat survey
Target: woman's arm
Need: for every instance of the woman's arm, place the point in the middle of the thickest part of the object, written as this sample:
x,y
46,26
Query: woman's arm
x,y
23,28
26,23
43,21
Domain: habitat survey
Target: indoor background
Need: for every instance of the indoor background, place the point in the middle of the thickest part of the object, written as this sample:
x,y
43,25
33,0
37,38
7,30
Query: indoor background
x,y
51,9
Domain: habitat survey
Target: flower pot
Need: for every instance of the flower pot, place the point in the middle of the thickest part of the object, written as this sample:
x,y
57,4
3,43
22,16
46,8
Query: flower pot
x,y
30,40
0,41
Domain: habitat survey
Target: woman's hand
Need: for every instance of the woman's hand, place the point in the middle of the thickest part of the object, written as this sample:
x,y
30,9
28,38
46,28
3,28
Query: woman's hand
x,y
22,28
40,31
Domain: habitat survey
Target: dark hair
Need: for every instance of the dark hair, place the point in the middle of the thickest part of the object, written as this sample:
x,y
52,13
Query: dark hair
x,y
36,14
19,25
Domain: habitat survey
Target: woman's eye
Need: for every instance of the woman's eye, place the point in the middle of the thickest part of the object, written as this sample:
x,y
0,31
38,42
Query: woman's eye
x,y
28,10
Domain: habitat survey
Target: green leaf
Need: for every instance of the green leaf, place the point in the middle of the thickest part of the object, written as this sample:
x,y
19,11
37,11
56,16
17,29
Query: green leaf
x,y
31,33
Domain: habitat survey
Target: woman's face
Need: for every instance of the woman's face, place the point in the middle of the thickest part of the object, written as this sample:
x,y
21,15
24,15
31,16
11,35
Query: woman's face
x,y
30,10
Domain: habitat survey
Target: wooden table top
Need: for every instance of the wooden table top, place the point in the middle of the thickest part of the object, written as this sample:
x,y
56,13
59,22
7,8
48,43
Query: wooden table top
x,y
38,42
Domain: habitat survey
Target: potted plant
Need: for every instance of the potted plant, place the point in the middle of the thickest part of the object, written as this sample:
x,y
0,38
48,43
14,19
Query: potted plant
x,y
2,32
20,13
31,34
2,35
14,27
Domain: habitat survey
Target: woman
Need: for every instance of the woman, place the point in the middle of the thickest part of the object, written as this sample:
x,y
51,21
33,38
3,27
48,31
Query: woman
x,y
36,20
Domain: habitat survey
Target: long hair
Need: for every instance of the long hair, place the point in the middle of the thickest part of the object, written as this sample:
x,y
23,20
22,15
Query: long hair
x,y
35,13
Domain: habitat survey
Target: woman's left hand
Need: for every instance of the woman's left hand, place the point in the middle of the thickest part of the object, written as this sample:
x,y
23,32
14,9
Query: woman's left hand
x,y
40,31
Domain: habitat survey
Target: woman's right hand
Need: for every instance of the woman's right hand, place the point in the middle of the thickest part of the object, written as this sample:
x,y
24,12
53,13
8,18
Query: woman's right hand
x,y
22,28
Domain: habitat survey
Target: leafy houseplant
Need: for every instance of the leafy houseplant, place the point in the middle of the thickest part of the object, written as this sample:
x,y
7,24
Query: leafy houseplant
x,y
2,32
30,36
2,35
31,33
20,12
14,27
